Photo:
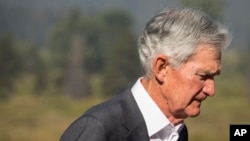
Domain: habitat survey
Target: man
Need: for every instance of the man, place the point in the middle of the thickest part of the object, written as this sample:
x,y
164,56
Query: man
x,y
180,52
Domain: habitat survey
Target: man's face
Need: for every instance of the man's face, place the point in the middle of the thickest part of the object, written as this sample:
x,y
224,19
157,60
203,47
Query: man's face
x,y
187,86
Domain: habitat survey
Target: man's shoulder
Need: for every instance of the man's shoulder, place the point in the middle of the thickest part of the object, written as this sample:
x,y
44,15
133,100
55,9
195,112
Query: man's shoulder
x,y
109,108
97,122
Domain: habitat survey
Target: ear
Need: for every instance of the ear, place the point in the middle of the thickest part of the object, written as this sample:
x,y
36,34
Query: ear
x,y
159,67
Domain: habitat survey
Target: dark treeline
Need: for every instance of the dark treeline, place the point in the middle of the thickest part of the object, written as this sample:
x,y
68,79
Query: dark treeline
x,y
82,55
88,55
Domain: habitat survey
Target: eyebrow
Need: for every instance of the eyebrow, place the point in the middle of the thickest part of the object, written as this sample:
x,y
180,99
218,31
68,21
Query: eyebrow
x,y
207,72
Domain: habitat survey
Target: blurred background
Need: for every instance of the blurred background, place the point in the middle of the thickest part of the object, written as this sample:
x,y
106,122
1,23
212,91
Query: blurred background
x,y
60,57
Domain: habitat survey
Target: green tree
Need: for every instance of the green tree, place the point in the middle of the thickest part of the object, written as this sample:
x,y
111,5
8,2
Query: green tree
x,y
103,43
34,64
67,56
11,64
76,36
122,67
94,34
122,63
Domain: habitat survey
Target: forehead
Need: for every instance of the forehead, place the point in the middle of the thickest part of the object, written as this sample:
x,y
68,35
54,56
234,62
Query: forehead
x,y
207,49
206,58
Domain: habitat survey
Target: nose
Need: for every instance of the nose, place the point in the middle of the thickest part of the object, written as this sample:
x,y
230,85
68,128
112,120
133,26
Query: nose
x,y
209,87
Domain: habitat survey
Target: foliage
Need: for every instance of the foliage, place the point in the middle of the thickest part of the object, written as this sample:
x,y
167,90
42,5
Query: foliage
x,y
122,64
122,67
102,38
10,64
68,48
34,63
17,59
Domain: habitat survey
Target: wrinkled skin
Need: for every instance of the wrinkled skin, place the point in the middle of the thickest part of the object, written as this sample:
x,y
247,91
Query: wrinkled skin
x,y
180,91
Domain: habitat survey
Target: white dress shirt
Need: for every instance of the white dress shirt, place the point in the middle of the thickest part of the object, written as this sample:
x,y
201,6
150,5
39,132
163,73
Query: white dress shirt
x,y
158,126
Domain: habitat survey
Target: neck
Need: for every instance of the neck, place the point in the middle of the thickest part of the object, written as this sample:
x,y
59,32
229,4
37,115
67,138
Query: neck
x,y
154,90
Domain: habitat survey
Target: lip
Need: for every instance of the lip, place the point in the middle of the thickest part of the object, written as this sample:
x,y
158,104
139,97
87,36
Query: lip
x,y
199,100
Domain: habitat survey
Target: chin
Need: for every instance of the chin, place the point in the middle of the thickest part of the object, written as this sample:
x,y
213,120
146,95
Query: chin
x,y
194,113
193,110
190,111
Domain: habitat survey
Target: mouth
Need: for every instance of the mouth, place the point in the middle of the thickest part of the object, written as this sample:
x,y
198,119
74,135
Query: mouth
x,y
199,100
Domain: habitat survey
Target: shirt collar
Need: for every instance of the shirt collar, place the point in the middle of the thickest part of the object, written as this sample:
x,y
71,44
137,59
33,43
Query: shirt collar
x,y
153,116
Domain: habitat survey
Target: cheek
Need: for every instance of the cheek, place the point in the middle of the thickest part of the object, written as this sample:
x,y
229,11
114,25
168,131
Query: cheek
x,y
183,91
189,87
193,88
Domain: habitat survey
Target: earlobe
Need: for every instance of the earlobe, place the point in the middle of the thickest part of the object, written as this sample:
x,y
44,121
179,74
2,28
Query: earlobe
x,y
159,68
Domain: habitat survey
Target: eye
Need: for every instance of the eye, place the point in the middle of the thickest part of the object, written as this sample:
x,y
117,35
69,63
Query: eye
x,y
203,77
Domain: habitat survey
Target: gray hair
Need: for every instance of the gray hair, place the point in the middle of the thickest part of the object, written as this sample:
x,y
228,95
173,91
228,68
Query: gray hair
x,y
177,33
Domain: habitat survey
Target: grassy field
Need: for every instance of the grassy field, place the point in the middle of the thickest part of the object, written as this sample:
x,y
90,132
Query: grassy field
x,y
33,118
39,118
